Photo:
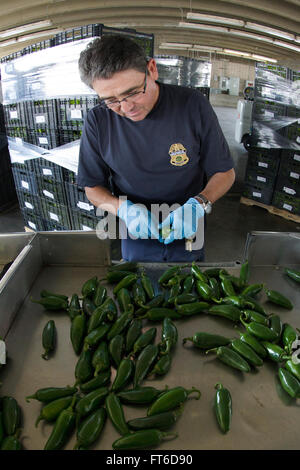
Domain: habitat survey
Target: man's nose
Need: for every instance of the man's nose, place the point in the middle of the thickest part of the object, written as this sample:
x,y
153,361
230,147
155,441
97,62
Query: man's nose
x,y
126,105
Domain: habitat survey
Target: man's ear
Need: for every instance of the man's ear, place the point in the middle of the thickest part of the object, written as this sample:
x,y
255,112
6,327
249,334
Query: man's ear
x,y
152,69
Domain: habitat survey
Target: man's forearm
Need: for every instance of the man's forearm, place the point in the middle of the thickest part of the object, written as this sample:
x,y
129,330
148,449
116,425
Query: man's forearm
x,y
101,197
218,185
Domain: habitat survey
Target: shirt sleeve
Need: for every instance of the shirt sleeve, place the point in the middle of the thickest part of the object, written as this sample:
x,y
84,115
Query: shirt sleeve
x,y
92,170
215,152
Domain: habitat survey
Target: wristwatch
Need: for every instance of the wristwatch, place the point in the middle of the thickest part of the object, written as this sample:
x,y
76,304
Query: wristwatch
x,y
207,205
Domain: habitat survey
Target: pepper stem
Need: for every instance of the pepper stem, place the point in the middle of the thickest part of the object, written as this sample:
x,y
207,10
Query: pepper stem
x,y
193,389
211,350
219,386
33,397
187,339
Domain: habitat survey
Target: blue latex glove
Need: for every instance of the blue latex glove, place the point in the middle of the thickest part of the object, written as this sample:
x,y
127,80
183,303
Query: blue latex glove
x,y
183,222
139,221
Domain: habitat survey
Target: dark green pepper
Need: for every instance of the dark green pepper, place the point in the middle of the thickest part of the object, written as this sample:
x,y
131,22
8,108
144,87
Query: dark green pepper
x,y
223,407
97,335
227,311
120,324
188,284
168,274
143,340
227,287
231,358
244,272
89,287
74,307
255,316
12,442
144,363
171,399
45,395
159,421
11,415
159,313
275,352
52,410
214,272
124,299
147,286
247,352
133,333
216,290
139,396
289,336
293,368
279,299
100,295
100,359
124,373
173,294
52,303
204,290
187,298
275,324
169,336
254,343
124,266
46,293
96,382
88,306
126,282
62,429
49,338
90,402
107,312
116,413
84,369
138,293
90,429
191,309
77,332
157,301
115,348
252,304
141,439
252,290
204,340
162,366
115,276
289,382
235,300
293,274
197,273
260,331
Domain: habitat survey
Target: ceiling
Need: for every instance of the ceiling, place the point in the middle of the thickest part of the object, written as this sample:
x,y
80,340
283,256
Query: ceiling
x,y
162,18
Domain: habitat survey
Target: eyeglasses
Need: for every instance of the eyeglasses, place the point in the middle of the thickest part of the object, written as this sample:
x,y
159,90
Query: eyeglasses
x,y
129,98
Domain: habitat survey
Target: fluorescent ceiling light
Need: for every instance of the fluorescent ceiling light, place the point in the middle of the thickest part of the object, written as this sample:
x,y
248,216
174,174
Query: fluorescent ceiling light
x,y
8,43
272,31
29,37
230,51
175,45
237,32
205,27
214,19
288,46
206,48
263,59
25,28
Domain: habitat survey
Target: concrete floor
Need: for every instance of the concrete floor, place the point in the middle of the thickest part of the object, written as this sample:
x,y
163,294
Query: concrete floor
x,y
230,221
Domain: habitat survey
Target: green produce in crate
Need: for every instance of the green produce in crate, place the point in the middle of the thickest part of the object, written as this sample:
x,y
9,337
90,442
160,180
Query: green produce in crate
x,y
235,300
47,394
12,442
147,285
74,307
90,402
46,293
159,313
260,331
161,421
168,274
169,336
52,410
293,274
171,399
133,333
293,368
197,273
223,407
124,373
89,287
231,312
162,366
84,370
275,352
275,324
90,429
125,266
245,272
254,343
227,287
185,298
52,303
278,299
143,340
216,288
63,427
120,324
95,336
139,396
231,358
188,284
115,276
124,299
126,282
157,301
247,352
214,272
100,295
138,294
204,340
77,332
144,363
253,290
116,413
96,382
142,439
204,290
173,293
289,382
115,348
252,304
107,312
186,310
11,415
100,359
88,306
49,338
251,315
289,336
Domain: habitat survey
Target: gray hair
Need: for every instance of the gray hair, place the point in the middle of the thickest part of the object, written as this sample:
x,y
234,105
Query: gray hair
x,y
105,56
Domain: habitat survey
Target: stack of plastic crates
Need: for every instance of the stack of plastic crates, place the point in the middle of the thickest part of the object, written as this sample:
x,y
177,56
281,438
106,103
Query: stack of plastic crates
x,y
8,195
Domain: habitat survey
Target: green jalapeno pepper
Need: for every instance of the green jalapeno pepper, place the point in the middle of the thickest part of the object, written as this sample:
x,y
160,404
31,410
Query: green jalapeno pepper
x,y
162,366
142,439
11,415
107,312
191,309
214,284
124,266
197,273
74,308
254,343
293,368
293,274
289,335
62,429
138,294
115,348
45,395
88,306
275,324
159,421
115,276
96,382
12,442
89,287
157,301
77,332
147,286
204,340
255,316
124,299
252,304
116,413
171,399
169,336
214,272
231,358
278,299
260,331
52,303
177,279
223,407
124,373
143,340
289,382
84,370
120,324
139,396
95,336
52,410
188,284
174,292
168,274
235,300
126,282
100,295
90,402
252,290
204,290
247,352
227,287
46,293
187,298
144,363
100,359
275,352
90,429
159,313
245,272
49,338
133,333
227,311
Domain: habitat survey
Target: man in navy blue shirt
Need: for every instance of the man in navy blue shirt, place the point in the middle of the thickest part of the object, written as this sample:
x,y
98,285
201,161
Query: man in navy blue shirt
x,y
160,145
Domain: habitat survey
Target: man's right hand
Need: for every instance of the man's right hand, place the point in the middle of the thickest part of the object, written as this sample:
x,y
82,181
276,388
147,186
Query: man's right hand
x,y
139,221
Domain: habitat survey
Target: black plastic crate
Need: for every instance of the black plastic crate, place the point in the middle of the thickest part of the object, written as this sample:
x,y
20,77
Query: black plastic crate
x,y
290,171
264,159
52,226
73,110
29,203
293,112
286,202
69,176
267,109
56,213
8,195
70,135
51,189
15,115
5,164
44,139
34,222
274,69
258,193
19,132
260,176
77,199
290,157
81,221
47,169
25,180
292,132
75,34
288,186
41,114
